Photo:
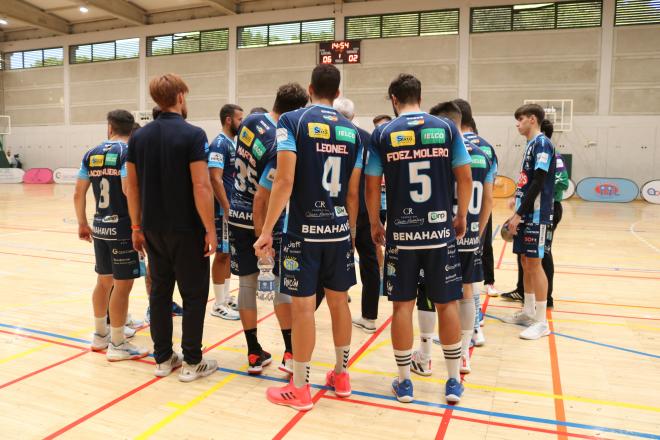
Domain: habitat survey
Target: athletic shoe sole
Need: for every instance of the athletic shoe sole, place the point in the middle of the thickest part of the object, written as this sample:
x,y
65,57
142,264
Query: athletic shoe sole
x,y
452,398
369,330
97,348
227,318
290,405
259,369
421,373
402,399
195,377
546,333
129,358
284,369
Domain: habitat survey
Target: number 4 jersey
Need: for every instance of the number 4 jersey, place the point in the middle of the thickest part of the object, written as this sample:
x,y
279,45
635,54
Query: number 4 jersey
x,y
417,153
104,166
328,148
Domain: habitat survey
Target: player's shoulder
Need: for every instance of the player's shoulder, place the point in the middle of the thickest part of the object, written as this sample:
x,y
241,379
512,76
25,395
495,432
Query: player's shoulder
x,y
295,115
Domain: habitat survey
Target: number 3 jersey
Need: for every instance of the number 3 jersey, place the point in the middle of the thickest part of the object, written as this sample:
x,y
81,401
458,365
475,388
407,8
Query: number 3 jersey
x,y
328,148
104,166
417,153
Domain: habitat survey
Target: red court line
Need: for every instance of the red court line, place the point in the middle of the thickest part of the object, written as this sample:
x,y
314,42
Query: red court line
x,y
560,413
499,262
462,418
300,414
585,313
48,258
77,355
595,274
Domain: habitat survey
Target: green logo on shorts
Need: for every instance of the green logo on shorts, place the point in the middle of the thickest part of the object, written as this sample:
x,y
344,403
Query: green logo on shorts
x,y
258,149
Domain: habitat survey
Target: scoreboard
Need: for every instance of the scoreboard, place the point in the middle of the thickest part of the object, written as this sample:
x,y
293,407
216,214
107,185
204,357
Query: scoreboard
x,y
339,52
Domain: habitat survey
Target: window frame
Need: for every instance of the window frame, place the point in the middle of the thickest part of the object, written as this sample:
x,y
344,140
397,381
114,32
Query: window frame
x,y
6,65
300,33
616,9
389,14
151,38
73,47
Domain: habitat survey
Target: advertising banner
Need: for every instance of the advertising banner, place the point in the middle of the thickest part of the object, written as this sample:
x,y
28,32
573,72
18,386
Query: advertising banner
x,y
607,189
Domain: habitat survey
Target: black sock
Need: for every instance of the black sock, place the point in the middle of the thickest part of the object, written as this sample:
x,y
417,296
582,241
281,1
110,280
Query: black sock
x,y
286,335
252,342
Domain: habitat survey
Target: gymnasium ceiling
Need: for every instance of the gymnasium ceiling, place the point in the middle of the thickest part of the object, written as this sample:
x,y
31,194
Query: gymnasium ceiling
x,y
26,19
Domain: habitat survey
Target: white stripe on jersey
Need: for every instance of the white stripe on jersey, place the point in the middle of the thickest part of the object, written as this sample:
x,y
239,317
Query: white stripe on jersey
x,y
240,225
430,246
321,240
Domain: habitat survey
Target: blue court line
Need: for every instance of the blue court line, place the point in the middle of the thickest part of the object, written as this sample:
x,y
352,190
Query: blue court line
x,y
391,398
497,229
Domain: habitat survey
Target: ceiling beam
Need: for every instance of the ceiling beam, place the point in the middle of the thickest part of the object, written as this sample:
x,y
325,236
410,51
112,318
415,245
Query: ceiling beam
x,y
34,16
120,9
226,6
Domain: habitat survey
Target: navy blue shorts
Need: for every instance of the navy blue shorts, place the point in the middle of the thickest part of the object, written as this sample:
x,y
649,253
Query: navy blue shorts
x,y
243,258
441,270
222,232
532,240
117,258
472,270
308,265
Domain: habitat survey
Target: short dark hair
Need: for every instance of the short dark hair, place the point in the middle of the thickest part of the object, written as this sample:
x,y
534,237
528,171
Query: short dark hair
x,y
379,118
290,97
448,109
227,111
473,126
156,111
466,111
121,122
406,89
531,110
258,110
547,128
325,81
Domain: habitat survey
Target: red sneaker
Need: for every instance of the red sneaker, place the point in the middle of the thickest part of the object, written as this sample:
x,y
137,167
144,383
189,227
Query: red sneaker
x,y
341,383
287,363
289,395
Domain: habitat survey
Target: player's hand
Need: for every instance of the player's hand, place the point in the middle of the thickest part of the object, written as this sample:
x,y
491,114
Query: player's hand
x,y
264,245
511,203
210,242
85,232
460,226
378,234
138,241
513,223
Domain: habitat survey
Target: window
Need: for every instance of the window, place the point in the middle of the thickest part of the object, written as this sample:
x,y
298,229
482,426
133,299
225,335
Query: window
x,y
188,42
411,24
631,12
105,51
286,33
537,16
34,58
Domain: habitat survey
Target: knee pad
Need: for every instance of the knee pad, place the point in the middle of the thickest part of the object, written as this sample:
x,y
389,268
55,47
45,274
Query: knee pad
x,y
247,292
280,298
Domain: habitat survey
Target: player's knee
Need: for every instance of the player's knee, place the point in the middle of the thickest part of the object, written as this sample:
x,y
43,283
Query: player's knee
x,y
403,306
247,292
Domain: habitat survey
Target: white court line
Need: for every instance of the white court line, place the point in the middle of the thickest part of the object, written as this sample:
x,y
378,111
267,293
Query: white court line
x,y
642,239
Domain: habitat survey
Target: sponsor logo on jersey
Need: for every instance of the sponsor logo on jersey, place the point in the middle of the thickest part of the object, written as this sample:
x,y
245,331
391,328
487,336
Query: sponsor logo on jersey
x,y
104,172
240,215
291,264
478,161
318,131
111,159
402,138
293,247
391,270
340,211
96,160
110,219
281,134
246,136
116,251
325,229
217,158
422,235
258,149
345,134
260,129
433,136
522,179
542,158
449,267
474,227
332,118
437,216
413,122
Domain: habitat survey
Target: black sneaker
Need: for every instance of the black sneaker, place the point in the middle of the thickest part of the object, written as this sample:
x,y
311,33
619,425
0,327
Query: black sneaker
x,y
258,362
514,295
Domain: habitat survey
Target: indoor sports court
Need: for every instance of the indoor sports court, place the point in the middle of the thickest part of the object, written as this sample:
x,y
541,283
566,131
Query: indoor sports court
x,y
593,66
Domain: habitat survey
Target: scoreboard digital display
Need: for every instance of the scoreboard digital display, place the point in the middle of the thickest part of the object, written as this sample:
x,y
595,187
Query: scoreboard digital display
x,y
339,52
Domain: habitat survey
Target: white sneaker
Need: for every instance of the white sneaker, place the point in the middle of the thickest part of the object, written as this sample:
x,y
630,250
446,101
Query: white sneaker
x,y
133,323
367,325
129,332
420,365
125,351
479,338
436,340
166,367
231,302
491,290
520,318
535,331
100,343
465,365
225,312
205,368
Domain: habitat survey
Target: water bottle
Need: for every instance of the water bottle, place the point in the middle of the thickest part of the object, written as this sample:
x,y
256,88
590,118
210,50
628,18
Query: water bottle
x,y
266,279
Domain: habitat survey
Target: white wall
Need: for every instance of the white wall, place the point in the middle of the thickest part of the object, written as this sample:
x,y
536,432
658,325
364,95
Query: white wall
x,y
611,73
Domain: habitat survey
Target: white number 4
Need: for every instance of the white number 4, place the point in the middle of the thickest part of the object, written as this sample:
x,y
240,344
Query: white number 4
x,y
331,175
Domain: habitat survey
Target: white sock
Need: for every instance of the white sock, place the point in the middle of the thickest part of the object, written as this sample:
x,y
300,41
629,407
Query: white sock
x,y
227,294
541,307
117,335
101,325
466,312
530,304
427,330
219,290
300,374
341,358
403,358
453,360
425,346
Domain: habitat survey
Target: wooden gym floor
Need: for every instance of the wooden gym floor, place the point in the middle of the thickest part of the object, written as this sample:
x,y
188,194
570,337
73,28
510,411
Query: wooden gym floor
x,y
596,376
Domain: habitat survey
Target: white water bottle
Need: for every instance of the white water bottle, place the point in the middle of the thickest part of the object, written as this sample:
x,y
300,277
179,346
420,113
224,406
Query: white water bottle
x,y
266,279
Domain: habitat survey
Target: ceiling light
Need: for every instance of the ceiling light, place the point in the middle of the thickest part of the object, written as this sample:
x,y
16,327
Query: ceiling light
x,y
84,9
3,22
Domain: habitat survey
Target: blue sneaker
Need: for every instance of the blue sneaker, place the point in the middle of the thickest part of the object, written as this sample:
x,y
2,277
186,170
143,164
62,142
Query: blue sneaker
x,y
177,310
403,390
453,391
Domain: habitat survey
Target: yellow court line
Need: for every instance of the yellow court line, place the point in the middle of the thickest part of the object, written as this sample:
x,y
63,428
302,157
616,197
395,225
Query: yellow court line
x,y
181,409
369,351
11,307
24,353
613,324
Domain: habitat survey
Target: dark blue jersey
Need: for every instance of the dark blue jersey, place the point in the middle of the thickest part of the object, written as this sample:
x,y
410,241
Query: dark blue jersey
x,y
417,153
540,154
254,150
328,148
483,171
104,166
222,154
483,145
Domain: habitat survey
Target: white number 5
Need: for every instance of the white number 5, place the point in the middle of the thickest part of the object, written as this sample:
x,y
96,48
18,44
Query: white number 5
x,y
414,169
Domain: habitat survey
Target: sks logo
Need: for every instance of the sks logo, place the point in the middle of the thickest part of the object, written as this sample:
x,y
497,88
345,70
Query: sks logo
x,y
318,131
246,136
607,189
403,138
522,179
96,160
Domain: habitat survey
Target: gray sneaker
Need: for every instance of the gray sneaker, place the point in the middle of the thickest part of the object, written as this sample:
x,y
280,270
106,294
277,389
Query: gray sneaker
x,y
190,372
166,367
520,318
